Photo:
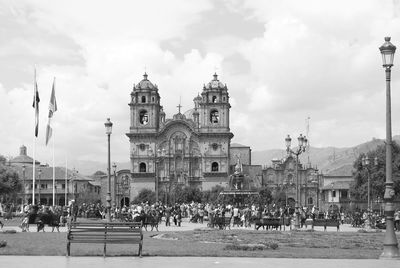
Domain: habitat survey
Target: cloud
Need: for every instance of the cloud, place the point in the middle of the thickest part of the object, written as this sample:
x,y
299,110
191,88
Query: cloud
x,y
282,62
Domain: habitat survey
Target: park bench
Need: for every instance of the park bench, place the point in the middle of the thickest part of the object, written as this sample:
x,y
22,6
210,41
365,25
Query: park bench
x,y
105,233
326,223
227,222
222,222
272,223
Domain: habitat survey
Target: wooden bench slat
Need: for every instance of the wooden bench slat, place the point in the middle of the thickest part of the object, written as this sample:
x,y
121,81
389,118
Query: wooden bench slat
x,y
105,233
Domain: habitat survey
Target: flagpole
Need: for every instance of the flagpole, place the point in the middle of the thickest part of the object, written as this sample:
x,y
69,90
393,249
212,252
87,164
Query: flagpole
x,y
54,169
34,144
66,182
54,177
33,172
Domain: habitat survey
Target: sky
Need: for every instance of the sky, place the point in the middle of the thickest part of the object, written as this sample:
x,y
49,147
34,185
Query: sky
x,y
283,62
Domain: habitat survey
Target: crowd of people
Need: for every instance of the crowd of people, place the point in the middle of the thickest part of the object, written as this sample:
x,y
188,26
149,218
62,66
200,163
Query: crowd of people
x,y
196,213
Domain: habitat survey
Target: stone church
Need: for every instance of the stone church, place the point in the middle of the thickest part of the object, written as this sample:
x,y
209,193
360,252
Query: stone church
x,y
189,149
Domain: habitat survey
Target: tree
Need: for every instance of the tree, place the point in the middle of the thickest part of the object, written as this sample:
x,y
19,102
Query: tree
x,y
358,190
279,197
265,196
10,183
145,195
211,196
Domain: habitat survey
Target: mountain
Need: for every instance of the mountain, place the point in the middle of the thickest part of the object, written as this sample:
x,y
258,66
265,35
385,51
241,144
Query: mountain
x,y
328,160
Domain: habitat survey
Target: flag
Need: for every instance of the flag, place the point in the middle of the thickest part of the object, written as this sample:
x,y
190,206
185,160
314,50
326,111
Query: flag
x,y
52,109
35,105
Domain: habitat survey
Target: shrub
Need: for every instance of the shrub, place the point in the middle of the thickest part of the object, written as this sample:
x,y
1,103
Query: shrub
x,y
251,247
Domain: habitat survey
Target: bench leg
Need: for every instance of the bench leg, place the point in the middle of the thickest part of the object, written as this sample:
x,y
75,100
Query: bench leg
x,y
140,250
105,250
68,249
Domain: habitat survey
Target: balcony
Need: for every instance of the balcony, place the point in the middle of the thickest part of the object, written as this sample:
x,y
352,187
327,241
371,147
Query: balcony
x,y
215,174
143,175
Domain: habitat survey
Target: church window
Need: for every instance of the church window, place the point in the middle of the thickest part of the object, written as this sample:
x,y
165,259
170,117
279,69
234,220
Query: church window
x,y
143,99
310,201
215,146
214,116
143,117
214,99
214,166
290,178
142,147
223,98
152,99
142,167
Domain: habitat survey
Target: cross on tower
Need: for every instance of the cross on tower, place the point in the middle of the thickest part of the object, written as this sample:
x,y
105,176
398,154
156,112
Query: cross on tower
x,y
179,108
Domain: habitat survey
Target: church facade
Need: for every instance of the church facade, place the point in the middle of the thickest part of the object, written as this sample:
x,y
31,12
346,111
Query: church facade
x,y
189,149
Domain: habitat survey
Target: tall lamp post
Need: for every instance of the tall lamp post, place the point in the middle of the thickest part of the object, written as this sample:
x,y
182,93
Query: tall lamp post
x,y
40,185
286,185
315,181
158,156
23,185
300,149
390,245
108,126
365,163
115,185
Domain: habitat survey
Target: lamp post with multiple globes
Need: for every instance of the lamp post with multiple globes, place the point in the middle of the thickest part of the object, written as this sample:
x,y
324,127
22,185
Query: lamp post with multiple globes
x,y
300,149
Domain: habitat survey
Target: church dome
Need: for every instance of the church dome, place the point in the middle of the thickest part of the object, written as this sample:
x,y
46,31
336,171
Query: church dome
x,y
179,116
145,84
215,83
23,158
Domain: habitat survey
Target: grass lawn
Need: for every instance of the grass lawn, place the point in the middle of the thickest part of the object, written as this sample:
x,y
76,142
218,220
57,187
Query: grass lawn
x,y
211,242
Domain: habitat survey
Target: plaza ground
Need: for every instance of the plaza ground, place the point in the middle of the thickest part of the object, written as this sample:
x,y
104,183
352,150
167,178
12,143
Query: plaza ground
x,y
151,258
192,262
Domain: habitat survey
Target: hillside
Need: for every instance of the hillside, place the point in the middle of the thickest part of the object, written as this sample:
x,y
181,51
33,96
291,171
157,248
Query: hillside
x,y
329,160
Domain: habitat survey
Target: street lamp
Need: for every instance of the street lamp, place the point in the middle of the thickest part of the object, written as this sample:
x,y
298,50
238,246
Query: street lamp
x,y
332,185
23,181
300,149
390,245
286,185
108,126
39,173
115,185
316,182
365,164
158,156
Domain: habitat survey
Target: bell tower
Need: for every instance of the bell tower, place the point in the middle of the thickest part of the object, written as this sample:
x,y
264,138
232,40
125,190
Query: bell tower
x,y
145,107
214,106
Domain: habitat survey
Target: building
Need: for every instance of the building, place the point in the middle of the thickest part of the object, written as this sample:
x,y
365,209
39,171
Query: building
x,y
69,184
335,192
282,176
190,149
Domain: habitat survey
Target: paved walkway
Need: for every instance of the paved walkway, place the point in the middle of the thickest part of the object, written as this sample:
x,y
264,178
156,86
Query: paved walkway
x,y
192,262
